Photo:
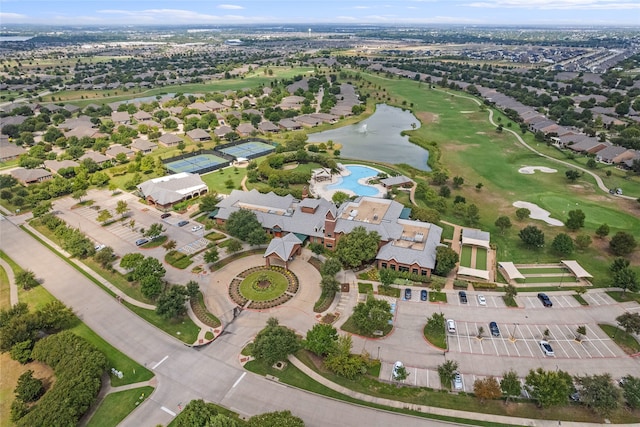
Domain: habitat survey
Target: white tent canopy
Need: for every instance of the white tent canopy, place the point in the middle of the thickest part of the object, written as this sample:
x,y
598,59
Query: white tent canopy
x,y
576,269
466,271
511,270
475,242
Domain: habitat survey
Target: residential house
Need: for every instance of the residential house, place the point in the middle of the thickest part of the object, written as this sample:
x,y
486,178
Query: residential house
x,y
142,116
9,151
397,181
169,140
166,191
30,176
95,156
268,127
199,135
116,149
288,124
143,146
222,131
120,118
245,129
608,154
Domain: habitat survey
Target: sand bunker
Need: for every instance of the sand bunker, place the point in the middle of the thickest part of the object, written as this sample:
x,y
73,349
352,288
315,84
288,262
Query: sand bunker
x,y
530,170
538,213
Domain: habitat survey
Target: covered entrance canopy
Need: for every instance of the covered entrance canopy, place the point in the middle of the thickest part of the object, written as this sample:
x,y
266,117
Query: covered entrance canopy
x,y
473,272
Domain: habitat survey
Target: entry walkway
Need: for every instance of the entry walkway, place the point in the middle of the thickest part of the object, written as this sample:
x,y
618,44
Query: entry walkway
x,y
13,287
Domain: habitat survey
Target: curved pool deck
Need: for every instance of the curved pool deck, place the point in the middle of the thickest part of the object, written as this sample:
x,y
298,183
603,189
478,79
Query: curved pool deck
x,y
352,181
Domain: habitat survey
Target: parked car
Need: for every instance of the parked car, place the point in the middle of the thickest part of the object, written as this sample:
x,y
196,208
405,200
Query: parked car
x,y
407,294
182,223
457,382
451,326
493,327
463,297
142,241
546,348
482,300
196,228
99,247
545,300
424,295
396,367
165,215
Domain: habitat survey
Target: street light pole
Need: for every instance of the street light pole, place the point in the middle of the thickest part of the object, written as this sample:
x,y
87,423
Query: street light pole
x,y
513,334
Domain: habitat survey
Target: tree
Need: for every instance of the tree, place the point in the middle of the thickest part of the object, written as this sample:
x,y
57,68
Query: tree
x,y
274,343
316,248
622,243
121,208
26,279
373,315
154,230
21,351
446,259
131,261
575,220
211,255
329,285
487,389
522,213
40,209
439,178
359,246
503,223
631,391
562,244
171,303
479,186
234,246
446,372
591,164
208,202
549,388
193,288
104,216
630,322
619,264
321,339
572,175
458,181
197,413
532,236
79,194
626,279
445,191
243,223
581,332
387,276
510,384
170,245
400,373
602,231
331,267
583,241
473,214
342,362
257,237
29,389
275,419
151,286
339,197
599,393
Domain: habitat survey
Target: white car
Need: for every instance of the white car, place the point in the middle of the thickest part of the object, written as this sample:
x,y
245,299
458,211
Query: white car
x,y
451,326
482,300
457,382
546,348
196,228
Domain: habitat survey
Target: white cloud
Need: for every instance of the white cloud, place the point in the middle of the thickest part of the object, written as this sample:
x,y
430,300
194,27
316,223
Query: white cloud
x,y
558,4
230,6
11,18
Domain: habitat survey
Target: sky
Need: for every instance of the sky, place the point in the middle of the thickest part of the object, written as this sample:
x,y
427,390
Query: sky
x,y
220,12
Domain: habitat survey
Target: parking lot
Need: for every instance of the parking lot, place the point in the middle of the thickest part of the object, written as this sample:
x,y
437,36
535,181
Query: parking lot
x,y
526,337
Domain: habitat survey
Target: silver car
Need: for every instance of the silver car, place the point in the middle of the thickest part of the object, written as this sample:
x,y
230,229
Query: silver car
x,y
457,382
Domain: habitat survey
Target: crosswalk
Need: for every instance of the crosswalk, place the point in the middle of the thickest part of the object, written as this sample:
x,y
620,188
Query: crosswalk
x,y
194,246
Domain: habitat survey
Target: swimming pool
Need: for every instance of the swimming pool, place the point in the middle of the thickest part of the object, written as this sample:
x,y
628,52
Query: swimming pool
x,y
350,182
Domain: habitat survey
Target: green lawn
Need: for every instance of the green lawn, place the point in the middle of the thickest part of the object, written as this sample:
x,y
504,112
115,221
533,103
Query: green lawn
x,y
182,328
116,406
465,256
543,270
624,296
481,259
216,181
118,280
625,341
5,298
549,279
274,285
365,288
435,334
437,296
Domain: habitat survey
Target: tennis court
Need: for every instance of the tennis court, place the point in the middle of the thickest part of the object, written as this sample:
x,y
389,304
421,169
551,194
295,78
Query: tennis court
x,y
250,149
195,164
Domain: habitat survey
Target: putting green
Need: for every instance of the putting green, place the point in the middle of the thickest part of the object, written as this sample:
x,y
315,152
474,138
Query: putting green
x,y
263,285
465,256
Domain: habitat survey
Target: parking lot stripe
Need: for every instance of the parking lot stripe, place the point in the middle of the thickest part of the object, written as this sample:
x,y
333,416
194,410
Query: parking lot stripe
x,y
525,340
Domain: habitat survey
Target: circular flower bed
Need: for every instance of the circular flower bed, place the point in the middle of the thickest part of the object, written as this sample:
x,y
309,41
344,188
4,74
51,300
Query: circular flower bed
x,y
263,285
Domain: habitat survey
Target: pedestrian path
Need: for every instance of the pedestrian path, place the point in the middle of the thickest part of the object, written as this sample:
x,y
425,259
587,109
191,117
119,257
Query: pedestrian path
x,y
13,287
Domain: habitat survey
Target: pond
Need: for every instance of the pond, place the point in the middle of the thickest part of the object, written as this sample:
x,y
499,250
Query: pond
x,y
378,138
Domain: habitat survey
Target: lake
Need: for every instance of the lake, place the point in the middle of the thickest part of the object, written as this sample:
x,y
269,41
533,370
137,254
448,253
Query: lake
x,y
378,138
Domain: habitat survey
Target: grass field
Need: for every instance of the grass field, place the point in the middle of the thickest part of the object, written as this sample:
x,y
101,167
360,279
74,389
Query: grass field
x,y
465,256
481,259
542,270
116,406
216,181
548,279
276,286
472,149
182,328
5,298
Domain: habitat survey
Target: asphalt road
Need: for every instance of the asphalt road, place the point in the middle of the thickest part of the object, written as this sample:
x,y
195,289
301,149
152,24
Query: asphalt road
x,y
183,373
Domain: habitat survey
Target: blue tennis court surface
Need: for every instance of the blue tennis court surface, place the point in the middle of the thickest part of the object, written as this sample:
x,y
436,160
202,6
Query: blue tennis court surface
x,y
248,149
195,164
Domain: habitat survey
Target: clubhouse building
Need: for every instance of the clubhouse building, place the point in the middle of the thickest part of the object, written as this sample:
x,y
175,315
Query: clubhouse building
x,y
405,244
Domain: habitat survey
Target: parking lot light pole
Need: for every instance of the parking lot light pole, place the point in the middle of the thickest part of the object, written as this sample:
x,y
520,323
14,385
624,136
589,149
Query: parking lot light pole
x,y
513,334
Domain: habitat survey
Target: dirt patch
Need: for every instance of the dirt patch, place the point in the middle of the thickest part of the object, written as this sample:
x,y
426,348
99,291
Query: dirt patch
x,y
481,133
290,166
11,370
427,117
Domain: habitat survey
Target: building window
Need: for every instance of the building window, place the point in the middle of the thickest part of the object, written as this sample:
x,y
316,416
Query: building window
x,y
414,271
424,272
383,265
393,267
401,268
328,234
329,245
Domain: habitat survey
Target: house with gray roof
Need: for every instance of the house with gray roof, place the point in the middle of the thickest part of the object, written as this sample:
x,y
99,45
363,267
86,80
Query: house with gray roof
x,y
405,245
30,176
10,151
120,117
99,158
396,181
222,131
166,191
245,129
56,165
288,124
199,135
282,249
142,116
169,140
607,155
117,149
143,145
268,127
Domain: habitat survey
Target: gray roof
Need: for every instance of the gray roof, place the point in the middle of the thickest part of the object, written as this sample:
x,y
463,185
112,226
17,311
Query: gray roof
x,y
395,180
29,175
424,255
8,150
56,165
172,188
95,156
143,145
198,134
283,246
476,234
169,139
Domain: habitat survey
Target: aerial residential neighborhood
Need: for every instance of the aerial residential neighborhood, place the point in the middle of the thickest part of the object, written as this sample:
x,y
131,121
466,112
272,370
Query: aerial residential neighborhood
x,y
409,214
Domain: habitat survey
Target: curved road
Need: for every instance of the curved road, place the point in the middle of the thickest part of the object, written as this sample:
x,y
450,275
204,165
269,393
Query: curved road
x,y
522,141
212,373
